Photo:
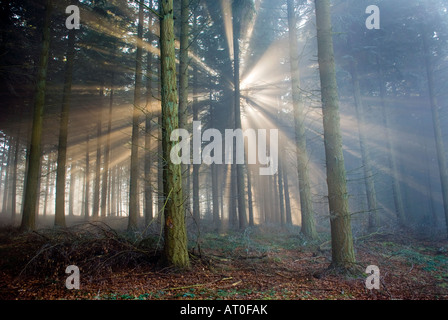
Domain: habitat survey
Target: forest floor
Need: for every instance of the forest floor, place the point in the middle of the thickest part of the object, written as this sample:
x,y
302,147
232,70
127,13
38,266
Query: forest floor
x,y
255,264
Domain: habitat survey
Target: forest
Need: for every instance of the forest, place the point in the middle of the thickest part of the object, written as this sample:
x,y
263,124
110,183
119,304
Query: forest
x,y
223,149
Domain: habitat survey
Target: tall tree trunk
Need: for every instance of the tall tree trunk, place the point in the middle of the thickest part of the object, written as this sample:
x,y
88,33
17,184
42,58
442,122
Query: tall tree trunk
x,y
14,177
133,182
250,197
183,86
59,218
32,178
233,198
441,156
106,173
372,206
288,215
71,196
308,224
240,186
148,143
160,168
196,167
175,245
99,139
5,205
47,184
343,255
396,188
4,171
87,178
281,193
215,196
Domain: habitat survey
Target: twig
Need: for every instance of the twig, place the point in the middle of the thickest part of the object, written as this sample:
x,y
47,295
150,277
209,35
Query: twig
x,y
202,284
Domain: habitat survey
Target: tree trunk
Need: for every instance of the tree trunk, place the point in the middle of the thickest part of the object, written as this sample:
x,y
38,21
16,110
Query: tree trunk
x,y
343,255
47,185
441,156
308,224
14,177
280,193
71,196
5,205
183,86
148,143
398,201
133,182
32,178
250,197
105,184
288,215
87,178
59,219
372,206
175,245
96,190
240,186
196,167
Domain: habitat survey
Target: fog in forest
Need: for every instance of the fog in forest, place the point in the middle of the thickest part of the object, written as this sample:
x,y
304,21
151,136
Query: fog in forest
x,y
92,98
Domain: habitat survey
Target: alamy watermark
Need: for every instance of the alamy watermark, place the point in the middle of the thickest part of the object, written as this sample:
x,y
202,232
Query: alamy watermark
x,y
72,281
74,20
373,280
373,21
257,147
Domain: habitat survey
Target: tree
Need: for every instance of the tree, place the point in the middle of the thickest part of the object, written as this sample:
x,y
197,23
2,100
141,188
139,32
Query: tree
x,y
32,178
441,156
59,219
398,201
365,153
242,12
308,225
133,183
183,81
175,245
343,255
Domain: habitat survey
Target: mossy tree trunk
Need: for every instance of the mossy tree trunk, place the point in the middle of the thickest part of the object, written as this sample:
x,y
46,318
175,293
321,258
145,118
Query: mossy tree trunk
x,y
175,245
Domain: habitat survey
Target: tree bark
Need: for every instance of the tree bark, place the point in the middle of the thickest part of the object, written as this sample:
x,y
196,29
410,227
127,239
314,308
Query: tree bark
x,y
99,139
32,178
183,86
240,186
87,178
133,182
308,224
59,219
175,245
398,201
106,173
441,156
343,256
148,143
372,205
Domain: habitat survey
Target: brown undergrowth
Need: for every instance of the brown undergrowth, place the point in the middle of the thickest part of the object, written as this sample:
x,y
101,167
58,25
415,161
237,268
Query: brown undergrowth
x,y
254,264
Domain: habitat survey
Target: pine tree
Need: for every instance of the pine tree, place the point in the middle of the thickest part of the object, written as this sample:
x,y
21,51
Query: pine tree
x,y
175,245
63,134
343,255
308,225
32,177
